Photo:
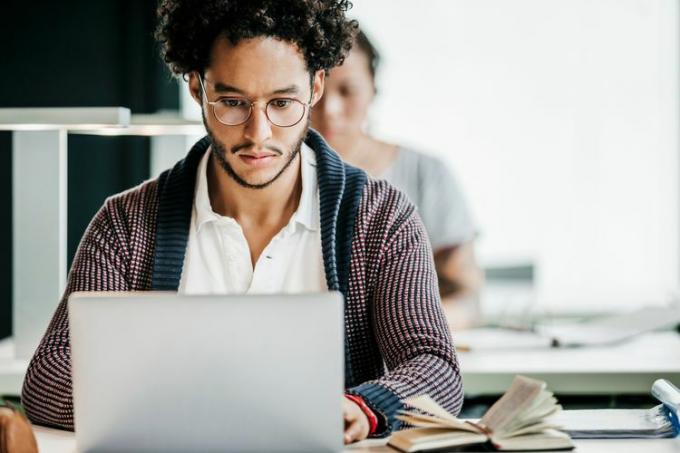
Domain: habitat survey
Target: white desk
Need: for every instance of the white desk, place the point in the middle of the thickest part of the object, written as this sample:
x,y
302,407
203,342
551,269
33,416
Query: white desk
x,y
627,368
12,370
55,441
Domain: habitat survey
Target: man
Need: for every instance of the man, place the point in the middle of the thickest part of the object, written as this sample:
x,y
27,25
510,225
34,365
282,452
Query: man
x,y
262,204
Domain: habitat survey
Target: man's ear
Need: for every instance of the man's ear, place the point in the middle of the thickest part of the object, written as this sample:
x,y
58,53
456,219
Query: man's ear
x,y
195,88
318,83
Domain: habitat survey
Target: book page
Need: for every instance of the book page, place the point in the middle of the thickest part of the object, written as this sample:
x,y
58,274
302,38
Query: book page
x,y
425,403
521,395
542,407
545,440
425,439
430,421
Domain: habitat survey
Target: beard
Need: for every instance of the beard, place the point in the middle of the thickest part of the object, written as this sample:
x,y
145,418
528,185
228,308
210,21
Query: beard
x,y
219,152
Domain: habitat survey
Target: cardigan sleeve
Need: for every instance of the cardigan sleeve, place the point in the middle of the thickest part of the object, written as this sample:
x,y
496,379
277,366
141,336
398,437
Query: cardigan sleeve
x,y
99,265
410,328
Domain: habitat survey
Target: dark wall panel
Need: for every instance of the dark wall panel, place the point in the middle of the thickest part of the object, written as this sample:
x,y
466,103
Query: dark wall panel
x,y
86,54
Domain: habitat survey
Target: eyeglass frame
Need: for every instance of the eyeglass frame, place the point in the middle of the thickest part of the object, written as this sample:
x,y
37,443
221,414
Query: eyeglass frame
x,y
252,103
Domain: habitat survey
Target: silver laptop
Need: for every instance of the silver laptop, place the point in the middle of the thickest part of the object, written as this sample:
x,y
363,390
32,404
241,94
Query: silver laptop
x,y
161,372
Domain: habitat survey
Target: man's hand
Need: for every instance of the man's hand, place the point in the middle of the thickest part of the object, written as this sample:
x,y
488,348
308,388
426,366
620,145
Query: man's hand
x,y
356,422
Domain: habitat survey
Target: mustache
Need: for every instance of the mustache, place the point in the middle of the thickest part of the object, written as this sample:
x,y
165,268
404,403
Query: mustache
x,y
247,145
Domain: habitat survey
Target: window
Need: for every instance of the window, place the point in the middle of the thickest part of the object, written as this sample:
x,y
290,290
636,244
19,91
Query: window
x,y
560,118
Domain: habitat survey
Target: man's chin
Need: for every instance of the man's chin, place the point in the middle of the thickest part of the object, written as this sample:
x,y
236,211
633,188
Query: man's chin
x,y
254,173
256,181
257,175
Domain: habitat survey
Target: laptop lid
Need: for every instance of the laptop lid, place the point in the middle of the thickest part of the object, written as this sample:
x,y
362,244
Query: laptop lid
x,y
162,372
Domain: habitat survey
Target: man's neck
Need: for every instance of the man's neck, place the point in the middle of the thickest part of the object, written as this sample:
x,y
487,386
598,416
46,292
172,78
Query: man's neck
x,y
272,206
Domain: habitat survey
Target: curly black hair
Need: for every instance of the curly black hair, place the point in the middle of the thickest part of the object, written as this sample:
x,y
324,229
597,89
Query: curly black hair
x,y
187,29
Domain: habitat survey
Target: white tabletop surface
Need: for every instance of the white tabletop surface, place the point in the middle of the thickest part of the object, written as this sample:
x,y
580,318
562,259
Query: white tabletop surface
x,y
47,118
12,370
55,441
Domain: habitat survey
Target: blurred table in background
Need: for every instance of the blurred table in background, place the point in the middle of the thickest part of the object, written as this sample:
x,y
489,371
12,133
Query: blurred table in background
x,y
626,368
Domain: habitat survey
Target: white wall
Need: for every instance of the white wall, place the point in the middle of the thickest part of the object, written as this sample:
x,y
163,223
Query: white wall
x,y
560,117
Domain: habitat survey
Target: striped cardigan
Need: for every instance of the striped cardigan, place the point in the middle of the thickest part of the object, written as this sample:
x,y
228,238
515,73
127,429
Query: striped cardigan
x,y
376,252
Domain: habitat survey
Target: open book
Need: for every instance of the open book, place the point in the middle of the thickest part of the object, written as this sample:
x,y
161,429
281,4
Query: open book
x,y
517,421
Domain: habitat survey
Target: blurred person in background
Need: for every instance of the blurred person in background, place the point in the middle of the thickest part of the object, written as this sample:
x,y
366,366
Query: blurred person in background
x,y
341,116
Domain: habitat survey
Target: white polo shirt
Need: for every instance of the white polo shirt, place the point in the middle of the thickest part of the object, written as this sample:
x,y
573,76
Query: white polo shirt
x,y
217,259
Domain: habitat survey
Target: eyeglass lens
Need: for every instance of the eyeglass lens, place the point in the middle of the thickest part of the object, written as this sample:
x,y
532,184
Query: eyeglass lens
x,y
281,112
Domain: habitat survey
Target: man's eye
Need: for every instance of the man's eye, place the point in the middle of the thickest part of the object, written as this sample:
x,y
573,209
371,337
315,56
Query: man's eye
x,y
281,103
232,102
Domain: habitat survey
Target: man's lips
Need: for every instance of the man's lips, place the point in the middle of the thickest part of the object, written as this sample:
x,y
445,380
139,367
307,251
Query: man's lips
x,y
257,156
256,159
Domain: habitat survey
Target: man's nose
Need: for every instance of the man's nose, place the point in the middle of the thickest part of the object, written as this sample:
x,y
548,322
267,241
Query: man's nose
x,y
258,129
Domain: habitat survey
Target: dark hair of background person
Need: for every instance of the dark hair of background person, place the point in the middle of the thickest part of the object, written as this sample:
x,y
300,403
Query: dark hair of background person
x,y
364,44
319,28
80,53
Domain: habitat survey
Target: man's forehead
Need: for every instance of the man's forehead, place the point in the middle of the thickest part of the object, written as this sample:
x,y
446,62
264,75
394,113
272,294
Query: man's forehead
x,y
257,66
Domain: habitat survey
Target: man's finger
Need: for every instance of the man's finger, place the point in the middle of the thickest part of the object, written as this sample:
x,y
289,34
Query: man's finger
x,y
350,416
352,432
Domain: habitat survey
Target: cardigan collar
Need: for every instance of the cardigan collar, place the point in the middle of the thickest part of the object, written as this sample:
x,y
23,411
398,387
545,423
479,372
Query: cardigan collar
x,y
340,190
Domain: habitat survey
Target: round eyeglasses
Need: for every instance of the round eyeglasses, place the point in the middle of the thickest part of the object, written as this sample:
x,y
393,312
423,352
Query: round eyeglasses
x,y
234,110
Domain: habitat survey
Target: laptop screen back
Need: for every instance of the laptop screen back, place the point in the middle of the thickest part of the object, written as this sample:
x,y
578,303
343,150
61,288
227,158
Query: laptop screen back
x,y
161,372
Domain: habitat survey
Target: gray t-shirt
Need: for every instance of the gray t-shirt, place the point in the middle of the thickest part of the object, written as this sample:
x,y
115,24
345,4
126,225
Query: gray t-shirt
x,y
431,186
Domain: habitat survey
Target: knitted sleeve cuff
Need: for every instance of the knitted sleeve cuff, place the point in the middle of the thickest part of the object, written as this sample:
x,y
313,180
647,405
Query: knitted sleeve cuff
x,y
383,402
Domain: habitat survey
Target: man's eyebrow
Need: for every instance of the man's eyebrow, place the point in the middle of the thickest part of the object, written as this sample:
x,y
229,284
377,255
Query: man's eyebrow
x,y
224,88
293,89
